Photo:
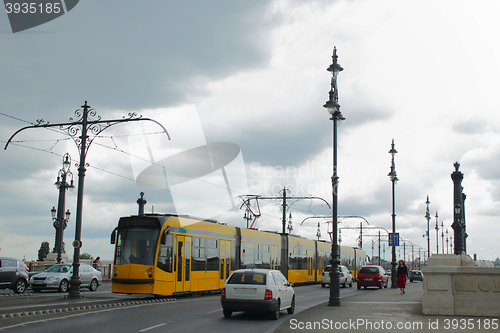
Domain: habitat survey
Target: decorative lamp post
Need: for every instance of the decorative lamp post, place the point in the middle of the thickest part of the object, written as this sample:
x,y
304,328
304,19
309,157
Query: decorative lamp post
x,y
437,234
83,131
60,222
333,107
290,226
442,237
428,218
318,232
457,225
458,230
394,179
447,240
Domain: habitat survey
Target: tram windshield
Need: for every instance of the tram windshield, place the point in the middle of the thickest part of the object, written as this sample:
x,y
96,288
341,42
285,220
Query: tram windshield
x,y
136,246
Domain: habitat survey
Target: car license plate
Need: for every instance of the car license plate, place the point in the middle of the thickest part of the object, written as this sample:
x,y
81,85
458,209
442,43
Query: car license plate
x,y
37,282
368,279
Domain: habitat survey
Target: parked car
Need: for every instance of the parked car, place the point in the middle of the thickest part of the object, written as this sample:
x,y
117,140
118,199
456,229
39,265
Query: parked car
x,y
257,290
345,276
13,275
40,269
416,276
58,276
372,276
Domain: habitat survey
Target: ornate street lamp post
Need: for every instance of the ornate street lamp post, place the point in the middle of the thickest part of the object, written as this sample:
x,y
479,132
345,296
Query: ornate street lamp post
x,y
428,218
60,223
437,234
457,225
394,179
333,107
83,131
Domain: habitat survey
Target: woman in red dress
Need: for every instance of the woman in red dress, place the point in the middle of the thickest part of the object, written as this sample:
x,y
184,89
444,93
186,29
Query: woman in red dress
x,y
402,273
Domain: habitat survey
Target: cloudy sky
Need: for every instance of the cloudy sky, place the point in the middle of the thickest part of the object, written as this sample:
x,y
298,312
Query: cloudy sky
x,y
248,79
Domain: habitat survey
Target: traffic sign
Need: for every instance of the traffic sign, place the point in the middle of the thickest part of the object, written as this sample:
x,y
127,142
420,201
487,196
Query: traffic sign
x,y
394,239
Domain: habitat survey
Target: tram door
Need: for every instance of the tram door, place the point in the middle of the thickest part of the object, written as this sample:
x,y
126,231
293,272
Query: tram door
x,y
183,264
225,261
310,271
274,257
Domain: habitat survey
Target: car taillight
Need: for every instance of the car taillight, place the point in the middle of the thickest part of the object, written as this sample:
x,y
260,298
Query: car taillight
x,y
268,295
341,274
323,273
223,293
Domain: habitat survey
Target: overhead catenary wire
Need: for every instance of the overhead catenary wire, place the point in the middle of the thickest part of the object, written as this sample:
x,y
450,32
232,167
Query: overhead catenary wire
x,y
116,148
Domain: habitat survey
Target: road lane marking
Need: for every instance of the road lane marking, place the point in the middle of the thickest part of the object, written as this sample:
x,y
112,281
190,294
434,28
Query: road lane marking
x,y
152,327
214,311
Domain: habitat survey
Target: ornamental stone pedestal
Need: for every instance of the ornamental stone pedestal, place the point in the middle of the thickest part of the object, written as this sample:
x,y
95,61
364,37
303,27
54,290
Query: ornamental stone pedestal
x,y
454,286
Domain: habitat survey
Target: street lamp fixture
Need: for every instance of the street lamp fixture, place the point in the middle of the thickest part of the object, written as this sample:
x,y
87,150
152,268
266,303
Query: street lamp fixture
x,y
394,179
333,107
83,131
60,218
290,226
428,218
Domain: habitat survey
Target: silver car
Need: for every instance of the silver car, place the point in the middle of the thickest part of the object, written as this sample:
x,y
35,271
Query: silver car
x,y
345,276
58,276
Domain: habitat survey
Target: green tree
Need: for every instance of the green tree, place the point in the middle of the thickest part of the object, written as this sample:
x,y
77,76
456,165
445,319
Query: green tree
x,y
86,256
44,250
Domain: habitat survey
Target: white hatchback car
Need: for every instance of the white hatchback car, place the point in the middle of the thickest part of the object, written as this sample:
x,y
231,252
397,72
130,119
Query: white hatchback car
x,y
345,276
257,290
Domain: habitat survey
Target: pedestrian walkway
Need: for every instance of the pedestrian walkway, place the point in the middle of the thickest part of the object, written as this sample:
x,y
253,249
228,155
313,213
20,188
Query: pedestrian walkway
x,y
375,310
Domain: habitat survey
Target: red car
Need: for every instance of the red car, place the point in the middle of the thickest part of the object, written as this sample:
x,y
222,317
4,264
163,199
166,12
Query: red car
x,y
372,276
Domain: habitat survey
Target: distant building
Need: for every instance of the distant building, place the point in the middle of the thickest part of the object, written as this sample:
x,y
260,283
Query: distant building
x,y
497,262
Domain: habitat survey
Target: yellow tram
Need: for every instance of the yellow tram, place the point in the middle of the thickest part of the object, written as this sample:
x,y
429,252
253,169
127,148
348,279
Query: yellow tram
x,y
173,254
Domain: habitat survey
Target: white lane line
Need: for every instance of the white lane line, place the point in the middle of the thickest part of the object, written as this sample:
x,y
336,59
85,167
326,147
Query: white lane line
x,y
384,302
150,328
214,311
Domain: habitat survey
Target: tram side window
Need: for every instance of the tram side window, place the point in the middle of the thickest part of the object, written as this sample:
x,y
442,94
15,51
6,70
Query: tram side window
x,y
198,256
165,256
292,259
266,256
212,254
247,255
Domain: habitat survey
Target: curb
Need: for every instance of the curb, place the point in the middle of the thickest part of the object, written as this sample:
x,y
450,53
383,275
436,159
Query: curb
x,y
16,295
87,307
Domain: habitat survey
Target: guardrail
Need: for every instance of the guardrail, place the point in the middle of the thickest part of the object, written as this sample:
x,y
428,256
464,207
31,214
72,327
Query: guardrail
x,y
104,268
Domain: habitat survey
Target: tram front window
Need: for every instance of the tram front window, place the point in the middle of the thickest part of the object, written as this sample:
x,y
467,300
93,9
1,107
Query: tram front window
x,y
136,246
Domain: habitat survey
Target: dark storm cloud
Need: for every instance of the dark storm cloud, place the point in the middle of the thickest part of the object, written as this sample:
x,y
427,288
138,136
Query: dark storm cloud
x,y
128,55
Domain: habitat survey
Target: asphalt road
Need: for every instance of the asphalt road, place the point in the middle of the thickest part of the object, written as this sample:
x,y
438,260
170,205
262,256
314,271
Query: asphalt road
x,y
107,312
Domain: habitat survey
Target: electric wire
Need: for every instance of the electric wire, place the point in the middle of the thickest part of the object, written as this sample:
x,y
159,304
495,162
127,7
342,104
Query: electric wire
x,y
116,148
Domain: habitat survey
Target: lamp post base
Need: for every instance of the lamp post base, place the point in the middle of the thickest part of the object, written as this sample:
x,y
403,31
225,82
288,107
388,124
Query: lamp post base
x,y
334,302
74,285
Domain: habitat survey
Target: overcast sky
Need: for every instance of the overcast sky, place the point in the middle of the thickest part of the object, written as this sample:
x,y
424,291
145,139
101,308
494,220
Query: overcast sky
x,y
249,79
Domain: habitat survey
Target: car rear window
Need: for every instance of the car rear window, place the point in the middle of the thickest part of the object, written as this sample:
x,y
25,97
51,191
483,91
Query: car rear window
x,y
369,270
248,278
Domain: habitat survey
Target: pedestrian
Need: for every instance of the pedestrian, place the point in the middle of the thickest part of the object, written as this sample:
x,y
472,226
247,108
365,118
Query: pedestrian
x,y
96,262
401,275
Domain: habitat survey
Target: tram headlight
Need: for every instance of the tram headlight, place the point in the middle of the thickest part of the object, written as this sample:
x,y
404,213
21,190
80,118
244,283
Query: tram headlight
x,y
115,270
150,273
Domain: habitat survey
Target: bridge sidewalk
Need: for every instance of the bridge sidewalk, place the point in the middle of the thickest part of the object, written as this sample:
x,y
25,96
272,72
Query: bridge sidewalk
x,y
375,310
